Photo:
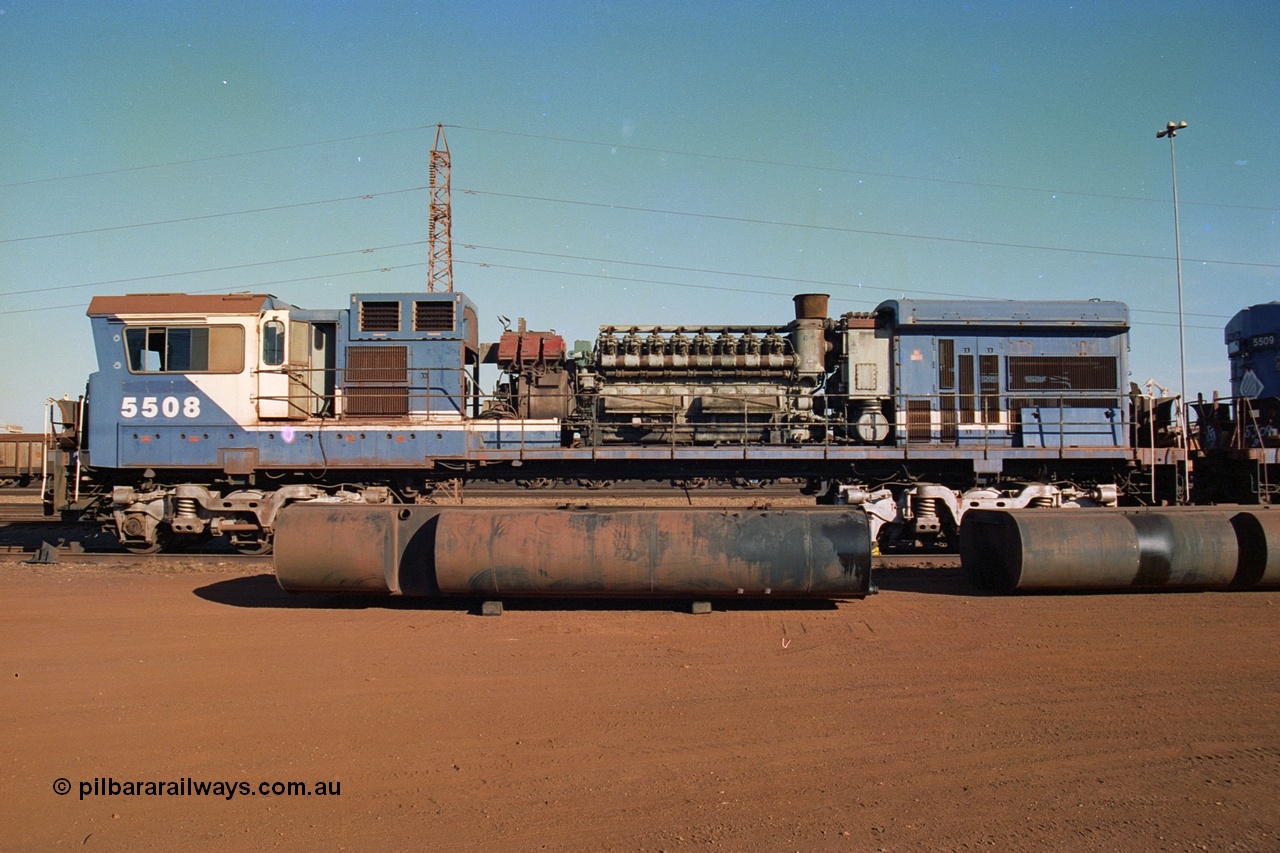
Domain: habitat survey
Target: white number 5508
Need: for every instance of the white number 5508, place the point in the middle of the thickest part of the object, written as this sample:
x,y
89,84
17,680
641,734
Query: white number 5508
x,y
153,406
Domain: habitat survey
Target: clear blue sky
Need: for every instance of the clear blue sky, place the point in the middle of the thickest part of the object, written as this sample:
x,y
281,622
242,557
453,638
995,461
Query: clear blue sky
x,y
637,162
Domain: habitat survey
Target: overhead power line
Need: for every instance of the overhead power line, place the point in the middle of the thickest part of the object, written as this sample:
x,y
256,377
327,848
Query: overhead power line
x,y
869,232
252,287
640,209
206,270
788,280
198,218
213,157
623,146
724,288
846,171
472,246
263,285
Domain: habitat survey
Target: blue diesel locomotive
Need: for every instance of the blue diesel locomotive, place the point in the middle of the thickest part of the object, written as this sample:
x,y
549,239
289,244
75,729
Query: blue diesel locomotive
x,y
1253,347
208,414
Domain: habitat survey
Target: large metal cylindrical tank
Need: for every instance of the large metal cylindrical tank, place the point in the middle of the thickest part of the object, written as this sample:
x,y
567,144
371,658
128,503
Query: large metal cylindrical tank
x,y
352,548
653,551
815,553
1008,550
1258,532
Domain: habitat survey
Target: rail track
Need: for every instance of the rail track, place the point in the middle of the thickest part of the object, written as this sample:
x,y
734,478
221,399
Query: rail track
x,y
24,539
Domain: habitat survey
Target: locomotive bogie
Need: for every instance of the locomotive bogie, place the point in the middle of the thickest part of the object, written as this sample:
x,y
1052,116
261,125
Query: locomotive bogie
x,y
929,513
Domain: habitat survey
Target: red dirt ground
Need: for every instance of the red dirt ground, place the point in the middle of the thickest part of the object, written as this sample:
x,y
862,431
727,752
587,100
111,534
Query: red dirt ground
x,y
929,716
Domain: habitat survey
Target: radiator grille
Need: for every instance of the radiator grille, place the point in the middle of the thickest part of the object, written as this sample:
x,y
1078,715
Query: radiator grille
x,y
389,365
375,401
1063,373
377,381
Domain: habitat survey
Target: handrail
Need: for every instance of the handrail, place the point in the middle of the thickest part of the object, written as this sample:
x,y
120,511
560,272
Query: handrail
x,y
453,391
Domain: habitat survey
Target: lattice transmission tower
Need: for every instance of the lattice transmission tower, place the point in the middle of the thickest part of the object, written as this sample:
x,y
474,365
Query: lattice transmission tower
x,y
440,232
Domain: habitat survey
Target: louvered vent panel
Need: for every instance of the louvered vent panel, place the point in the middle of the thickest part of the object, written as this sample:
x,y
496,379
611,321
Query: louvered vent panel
x,y
433,316
946,364
379,316
919,421
947,408
966,389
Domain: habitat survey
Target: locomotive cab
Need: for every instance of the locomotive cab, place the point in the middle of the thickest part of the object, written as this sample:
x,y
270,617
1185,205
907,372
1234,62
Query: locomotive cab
x,y
174,376
200,401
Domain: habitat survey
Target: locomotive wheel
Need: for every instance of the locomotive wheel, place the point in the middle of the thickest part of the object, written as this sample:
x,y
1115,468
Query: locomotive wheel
x,y
152,548
749,483
694,483
164,542
256,547
536,483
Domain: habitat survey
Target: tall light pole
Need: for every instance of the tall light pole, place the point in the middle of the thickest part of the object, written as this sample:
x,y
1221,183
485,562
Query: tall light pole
x,y
1171,130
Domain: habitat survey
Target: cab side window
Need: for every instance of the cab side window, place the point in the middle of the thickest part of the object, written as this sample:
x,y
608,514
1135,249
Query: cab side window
x,y
184,349
273,343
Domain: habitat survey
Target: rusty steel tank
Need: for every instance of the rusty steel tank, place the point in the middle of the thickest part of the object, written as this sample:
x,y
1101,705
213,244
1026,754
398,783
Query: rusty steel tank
x,y
487,551
1116,549
1258,533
